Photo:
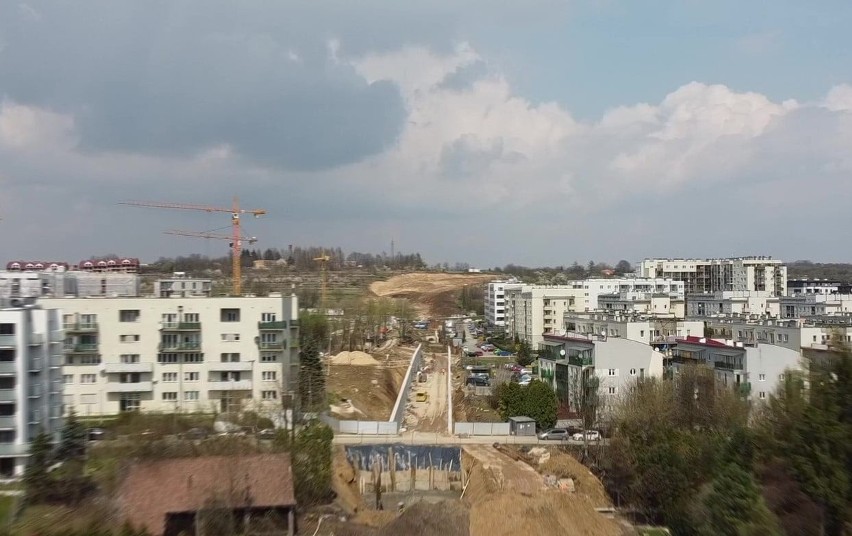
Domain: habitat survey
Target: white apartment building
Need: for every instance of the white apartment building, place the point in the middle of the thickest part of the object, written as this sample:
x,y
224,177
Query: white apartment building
x,y
644,328
796,287
755,370
729,302
178,354
703,276
495,301
30,370
642,302
794,334
535,310
565,360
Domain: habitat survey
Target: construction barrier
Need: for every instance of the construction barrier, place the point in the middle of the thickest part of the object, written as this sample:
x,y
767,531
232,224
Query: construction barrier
x,y
481,428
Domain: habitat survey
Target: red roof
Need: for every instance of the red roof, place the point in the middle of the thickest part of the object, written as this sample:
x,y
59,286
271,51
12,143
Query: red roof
x,y
702,341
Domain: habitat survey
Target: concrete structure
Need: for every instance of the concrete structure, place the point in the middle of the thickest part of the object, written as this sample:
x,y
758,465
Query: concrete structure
x,y
182,286
495,301
702,276
643,302
732,302
793,334
647,329
178,354
797,287
535,310
566,363
754,370
30,370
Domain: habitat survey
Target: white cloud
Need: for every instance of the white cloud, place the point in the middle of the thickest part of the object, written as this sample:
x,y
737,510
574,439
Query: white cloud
x,y
23,127
839,98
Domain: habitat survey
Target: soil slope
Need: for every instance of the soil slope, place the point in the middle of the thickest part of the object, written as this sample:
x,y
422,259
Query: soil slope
x,y
433,294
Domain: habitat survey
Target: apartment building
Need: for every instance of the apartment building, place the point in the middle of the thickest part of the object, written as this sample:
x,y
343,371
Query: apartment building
x,y
794,334
566,363
754,370
745,303
495,301
30,370
178,353
797,287
703,276
643,303
644,328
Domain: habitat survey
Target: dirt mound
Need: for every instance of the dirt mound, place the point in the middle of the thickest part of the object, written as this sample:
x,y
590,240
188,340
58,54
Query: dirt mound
x,y
354,358
445,518
344,482
433,294
563,465
369,392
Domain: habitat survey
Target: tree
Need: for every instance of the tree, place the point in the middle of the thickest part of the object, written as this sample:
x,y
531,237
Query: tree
x,y
623,267
311,458
313,334
735,507
524,353
540,404
37,482
511,400
72,445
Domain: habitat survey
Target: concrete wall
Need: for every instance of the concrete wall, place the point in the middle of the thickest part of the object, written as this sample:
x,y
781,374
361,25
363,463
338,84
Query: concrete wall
x,y
481,428
398,414
406,468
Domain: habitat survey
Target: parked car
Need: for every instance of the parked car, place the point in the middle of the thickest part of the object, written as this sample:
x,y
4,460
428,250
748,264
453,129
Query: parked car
x,y
554,433
502,353
96,434
266,433
591,435
196,434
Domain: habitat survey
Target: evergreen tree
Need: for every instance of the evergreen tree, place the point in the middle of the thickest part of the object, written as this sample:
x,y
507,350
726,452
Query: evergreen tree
x,y
73,443
735,506
37,481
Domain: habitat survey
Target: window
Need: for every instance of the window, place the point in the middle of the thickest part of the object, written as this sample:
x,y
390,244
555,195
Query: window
x,y
269,395
129,338
170,396
7,329
612,372
193,318
129,358
269,375
190,376
230,337
130,377
641,332
762,395
230,357
229,315
190,395
88,378
612,390
267,317
128,315
67,378
130,402
7,436
633,372
193,358
167,358
90,360
169,377
762,377
268,358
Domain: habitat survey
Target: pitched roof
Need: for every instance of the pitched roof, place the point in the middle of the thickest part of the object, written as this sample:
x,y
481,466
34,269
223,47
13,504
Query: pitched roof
x,y
152,489
702,341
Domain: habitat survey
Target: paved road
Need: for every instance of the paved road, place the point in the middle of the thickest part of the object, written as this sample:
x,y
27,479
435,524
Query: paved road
x,y
423,438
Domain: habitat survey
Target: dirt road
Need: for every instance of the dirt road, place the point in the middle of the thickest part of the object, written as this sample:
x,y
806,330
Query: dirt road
x,y
431,415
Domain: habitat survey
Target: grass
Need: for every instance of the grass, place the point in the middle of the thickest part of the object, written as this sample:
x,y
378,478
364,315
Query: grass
x,y
7,509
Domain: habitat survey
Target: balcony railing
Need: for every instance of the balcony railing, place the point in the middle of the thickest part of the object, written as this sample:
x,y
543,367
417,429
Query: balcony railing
x,y
726,365
744,389
80,326
36,339
232,385
81,348
8,367
8,395
35,364
180,346
57,361
271,345
181,326
580,361
272,326
232,366
8,341
7,422
12,449
121,368
136,387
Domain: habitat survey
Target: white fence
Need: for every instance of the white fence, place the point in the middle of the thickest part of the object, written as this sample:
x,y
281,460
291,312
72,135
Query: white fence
x,y
481,428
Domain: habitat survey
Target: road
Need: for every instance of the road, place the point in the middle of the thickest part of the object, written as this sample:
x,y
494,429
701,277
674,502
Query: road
x,y
425,438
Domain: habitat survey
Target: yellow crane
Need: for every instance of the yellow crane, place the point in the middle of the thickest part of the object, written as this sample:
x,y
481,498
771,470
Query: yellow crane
x,y
323,260
236,236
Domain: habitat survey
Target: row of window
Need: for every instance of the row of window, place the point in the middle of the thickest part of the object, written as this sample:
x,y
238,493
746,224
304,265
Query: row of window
x,y
225,337
133,315
189,396
168,377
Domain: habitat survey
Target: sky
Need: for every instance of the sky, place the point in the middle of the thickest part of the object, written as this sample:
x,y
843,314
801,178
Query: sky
x,y
486,131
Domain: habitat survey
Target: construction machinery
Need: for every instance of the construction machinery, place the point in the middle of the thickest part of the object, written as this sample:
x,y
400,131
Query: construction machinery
x,y
236,236
323,260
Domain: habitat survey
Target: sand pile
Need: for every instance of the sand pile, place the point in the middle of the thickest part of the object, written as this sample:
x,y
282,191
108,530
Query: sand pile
x,y
353,358
445,518
563,465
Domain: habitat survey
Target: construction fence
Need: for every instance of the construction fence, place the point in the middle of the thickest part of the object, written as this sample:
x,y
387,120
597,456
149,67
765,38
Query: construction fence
x,y
481,428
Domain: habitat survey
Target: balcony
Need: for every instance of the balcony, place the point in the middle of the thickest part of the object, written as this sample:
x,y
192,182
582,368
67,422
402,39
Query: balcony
x,y
180,346
121,368
180,326
8,395
727,365
8,341
8,422
8,367
36,339
12,449
233,385
35,364
294,323
239,366
272,326
581,361
57,335
57,361
137,387
80,327
81,348
271,345
744,389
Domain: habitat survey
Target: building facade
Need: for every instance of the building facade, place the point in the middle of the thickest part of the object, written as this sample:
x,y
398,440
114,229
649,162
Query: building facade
x,y
30,370
703,276
754,370
644,328
642,303
495,302
794,334
178,354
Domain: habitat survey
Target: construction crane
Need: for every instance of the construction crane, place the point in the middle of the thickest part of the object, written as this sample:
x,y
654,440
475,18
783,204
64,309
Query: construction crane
x,y
236,236
323,260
